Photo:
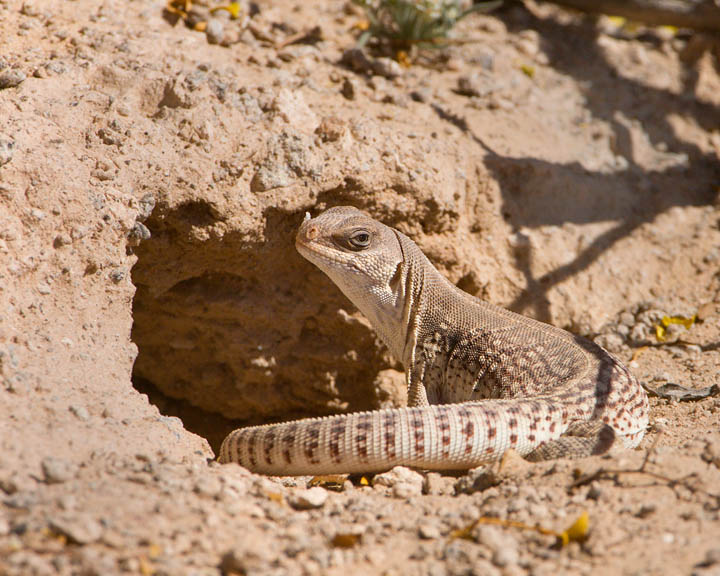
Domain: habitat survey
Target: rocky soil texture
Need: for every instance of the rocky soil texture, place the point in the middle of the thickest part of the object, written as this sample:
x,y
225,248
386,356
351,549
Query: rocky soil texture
x,y
152,177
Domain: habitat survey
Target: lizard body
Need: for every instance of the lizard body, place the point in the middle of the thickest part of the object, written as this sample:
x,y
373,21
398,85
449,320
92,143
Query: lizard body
x,y
481,379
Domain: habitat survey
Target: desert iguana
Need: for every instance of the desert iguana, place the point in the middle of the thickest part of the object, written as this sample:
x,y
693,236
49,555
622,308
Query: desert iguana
x,y
481,380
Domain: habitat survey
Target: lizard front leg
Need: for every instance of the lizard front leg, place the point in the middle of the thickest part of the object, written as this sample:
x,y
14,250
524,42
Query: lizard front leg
x,y
414,377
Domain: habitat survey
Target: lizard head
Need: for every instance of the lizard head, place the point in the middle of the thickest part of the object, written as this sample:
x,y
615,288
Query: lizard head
x,y
364,258
351,248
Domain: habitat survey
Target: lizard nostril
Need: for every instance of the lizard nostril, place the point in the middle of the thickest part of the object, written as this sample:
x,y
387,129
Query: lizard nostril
x,y
312,233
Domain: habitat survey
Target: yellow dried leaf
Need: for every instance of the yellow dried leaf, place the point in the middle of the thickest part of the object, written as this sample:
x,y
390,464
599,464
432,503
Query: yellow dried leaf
x,y
329,482
346,540
233,8
528,70
660,332
687,322
661,329
364,481
200,27
577,532
403,59
179,7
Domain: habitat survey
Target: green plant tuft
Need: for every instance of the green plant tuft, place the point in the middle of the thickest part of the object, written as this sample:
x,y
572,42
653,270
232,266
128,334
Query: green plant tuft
x,y
416,23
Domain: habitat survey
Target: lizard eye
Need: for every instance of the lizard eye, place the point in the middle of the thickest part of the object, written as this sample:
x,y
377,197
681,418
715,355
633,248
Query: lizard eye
x,y
359,239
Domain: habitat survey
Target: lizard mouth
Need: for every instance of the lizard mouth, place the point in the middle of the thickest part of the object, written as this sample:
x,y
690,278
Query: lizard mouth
x,y
306,245
313,251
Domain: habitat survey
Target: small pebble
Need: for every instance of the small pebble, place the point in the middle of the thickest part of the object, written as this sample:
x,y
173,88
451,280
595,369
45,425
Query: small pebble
x,y
57,470
138,233
646,510
331,129
7,148
67,502
627,319
145,207
62,240
308,499
399,474
473,85
693,349
215,31
80,411
349,89
421,95
477,480
434,483
428,531
117,275
80,529
387,67
55,67
357,60
30,9
10,484
11,78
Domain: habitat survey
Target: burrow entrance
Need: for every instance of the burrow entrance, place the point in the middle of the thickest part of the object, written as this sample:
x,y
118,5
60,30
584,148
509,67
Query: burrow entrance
x,y
234,328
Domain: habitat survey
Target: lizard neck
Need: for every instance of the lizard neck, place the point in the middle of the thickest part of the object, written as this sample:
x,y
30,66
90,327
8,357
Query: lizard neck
x,y
417,269
392,307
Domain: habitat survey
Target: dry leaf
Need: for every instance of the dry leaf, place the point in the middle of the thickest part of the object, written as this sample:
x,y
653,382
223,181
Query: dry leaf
x,y
661,329
346,540
578,532
335,482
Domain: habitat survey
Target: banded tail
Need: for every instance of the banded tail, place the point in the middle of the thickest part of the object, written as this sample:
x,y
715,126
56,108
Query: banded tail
x,y
437,437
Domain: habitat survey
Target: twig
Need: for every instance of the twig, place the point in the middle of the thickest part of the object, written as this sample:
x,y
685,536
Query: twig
x,y
611,473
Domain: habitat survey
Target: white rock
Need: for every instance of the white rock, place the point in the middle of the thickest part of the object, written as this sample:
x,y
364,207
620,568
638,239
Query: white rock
x,y
309,499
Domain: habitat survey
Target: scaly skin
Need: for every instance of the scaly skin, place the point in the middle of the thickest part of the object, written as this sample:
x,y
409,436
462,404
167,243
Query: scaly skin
x,y
481,380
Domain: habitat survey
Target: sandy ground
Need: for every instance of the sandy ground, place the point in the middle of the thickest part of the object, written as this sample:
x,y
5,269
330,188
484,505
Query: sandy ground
x,y
151,181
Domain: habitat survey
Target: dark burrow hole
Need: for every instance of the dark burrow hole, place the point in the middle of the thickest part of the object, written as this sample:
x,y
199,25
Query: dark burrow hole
x,y
170,274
